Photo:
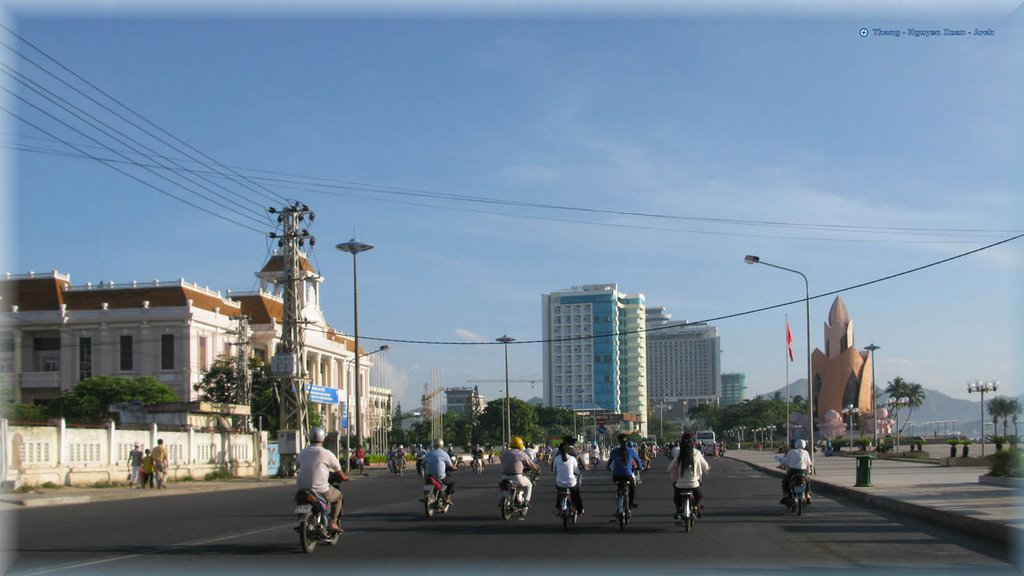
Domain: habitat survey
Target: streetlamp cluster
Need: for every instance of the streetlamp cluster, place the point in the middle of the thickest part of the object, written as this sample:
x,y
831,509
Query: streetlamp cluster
x,y
982,386
851,411
894,405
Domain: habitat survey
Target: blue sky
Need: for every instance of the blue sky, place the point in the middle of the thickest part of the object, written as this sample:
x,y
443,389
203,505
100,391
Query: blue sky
x,y
783,134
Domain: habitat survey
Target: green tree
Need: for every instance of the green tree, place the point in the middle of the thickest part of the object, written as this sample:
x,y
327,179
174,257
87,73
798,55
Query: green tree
x,y
88,401
220,384
914,394
554,422
524,421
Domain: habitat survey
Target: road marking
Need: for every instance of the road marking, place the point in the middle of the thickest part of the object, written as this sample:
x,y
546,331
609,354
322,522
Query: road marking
x,y
76,565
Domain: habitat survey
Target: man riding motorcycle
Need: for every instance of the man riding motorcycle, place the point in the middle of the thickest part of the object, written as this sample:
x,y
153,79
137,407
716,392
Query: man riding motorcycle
x,y
514,462
315,464
438,463
796,461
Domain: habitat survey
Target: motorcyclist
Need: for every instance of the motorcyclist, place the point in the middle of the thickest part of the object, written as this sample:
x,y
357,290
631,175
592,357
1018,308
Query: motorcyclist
x,y
645,455
438,463
400,457
421,453
567,473
621,462
796,461
514,462
315,464
478,455
686,470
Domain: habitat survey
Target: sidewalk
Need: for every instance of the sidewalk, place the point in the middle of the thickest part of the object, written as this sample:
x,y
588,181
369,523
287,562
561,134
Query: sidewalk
x,y
951,496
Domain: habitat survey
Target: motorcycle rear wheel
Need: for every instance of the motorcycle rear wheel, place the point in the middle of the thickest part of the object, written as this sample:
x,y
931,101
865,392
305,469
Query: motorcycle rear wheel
x,y
505,504
800,507
309,535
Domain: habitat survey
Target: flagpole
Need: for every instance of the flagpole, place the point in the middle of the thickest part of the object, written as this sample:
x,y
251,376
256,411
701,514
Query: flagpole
x,y
788,345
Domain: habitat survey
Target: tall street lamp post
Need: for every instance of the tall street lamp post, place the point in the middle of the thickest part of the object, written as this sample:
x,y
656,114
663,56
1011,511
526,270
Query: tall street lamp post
x,y
507,431
851,411
354,247
750,259
874,404
981,386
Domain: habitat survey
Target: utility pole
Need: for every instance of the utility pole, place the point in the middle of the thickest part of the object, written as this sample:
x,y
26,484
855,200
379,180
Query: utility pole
x,y
244,381
288,364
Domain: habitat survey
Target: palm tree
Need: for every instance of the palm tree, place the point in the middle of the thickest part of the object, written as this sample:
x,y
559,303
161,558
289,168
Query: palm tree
x,y
1015,410
997,409
914,394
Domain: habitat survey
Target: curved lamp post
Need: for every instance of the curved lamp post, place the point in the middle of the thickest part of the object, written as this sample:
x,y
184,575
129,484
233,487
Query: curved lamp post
x,y
751,259
894,405
874,404
507,431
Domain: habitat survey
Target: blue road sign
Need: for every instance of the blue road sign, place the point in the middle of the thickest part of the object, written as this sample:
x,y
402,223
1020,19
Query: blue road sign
x,y
322,394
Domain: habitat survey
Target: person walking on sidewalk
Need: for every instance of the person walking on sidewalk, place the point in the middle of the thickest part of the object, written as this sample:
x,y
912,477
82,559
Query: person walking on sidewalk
x,y
159,454
147,470
135,465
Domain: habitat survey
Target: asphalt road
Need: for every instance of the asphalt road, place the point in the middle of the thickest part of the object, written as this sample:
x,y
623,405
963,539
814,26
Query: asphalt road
x,y
744,530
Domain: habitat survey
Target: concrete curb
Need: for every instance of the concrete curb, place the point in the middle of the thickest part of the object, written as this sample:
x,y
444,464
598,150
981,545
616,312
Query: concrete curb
x,y
988,529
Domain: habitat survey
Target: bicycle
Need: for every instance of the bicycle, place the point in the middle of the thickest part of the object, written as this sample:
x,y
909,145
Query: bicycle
x,y
622,510
687,514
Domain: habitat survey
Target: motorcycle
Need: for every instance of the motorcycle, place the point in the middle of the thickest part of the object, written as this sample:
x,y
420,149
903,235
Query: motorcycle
x,y
511,496
434,499
419,466
396,466
566,507
687,515
314,515
478,466
799,489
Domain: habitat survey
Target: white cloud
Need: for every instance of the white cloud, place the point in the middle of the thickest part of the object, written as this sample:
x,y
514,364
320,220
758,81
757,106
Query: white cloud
x,y
468,335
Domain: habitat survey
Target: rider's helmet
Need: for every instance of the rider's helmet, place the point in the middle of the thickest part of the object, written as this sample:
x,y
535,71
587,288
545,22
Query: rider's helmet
x,y
438,443
799,444
517,443
317,435
401,447
568,440
622,438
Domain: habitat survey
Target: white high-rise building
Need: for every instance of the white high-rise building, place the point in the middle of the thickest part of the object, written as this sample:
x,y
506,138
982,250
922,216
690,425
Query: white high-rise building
x,y
683,360
594,357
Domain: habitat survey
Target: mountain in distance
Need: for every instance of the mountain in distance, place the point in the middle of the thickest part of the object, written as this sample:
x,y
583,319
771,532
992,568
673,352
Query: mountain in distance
x,y
936,414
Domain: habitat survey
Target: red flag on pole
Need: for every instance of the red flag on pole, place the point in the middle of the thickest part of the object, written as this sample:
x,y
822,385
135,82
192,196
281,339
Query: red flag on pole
x,y
789,340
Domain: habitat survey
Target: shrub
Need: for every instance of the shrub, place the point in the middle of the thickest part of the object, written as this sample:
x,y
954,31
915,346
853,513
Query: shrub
x,y
50,485
1007,463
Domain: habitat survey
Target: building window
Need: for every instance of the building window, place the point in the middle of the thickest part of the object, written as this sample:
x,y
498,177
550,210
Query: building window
x,y
202,353
84,358
126,353
167,351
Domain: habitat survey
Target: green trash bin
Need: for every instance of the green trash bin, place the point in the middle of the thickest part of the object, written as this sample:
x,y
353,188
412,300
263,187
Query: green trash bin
x,y
864,470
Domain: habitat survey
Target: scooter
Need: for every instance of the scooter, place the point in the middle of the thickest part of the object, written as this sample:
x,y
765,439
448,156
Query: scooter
x,y
687,515
434,498
511,496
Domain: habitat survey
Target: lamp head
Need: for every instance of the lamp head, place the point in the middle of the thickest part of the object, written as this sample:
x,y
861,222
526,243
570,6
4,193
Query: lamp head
x,y
385,347
751,259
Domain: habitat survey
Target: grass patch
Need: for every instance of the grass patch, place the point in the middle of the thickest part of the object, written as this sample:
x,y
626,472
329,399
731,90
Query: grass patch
x,y
188,478
50,485
218,475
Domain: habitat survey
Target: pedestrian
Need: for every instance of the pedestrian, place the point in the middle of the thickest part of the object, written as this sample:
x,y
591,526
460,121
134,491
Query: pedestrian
x,y
135,465
147,470
159,454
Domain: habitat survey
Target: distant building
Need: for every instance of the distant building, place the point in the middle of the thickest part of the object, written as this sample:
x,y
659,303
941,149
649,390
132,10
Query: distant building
x,y
683,360
595,351
460,400
734,388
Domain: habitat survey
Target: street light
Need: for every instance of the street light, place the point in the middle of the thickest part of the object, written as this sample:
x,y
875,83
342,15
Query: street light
x,y
980,386
354,247
507,432
348,408
750,259
874,405
895,404
661,418
851,411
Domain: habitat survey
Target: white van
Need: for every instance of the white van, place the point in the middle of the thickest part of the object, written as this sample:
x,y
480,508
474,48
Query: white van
x,y
707,437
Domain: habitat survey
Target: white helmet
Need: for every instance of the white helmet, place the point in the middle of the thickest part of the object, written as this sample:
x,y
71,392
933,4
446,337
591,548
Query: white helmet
x,y
317,435
800,444
438,443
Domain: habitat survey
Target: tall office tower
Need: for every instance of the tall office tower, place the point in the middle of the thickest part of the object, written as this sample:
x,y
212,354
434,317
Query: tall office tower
x,y
594,355
683,360
734,388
